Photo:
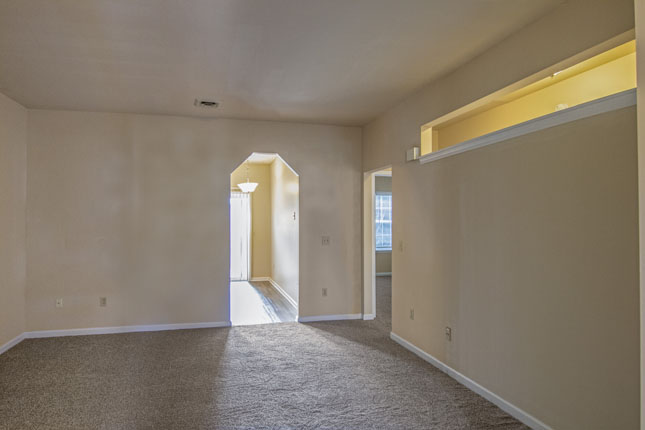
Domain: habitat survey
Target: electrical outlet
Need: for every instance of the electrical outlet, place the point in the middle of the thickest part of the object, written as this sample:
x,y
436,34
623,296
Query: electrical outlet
x,y
324,292
103,301
412,313
448,334
59,303
326,240
401,245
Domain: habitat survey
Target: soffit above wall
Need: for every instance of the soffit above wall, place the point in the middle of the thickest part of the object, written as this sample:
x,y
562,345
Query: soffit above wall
x,y
332,61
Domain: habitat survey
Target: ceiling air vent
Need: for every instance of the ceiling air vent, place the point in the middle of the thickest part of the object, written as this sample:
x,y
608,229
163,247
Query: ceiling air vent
x,y
206,103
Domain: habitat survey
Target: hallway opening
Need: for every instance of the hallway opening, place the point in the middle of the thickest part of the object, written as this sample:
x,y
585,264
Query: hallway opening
x,y
264,241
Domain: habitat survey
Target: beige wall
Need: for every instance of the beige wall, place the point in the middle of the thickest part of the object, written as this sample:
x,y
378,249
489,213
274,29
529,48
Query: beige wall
x,y
528,250
260,215
640,46
284,228
473,227
383,262
134,207
383,184
540,45
13,158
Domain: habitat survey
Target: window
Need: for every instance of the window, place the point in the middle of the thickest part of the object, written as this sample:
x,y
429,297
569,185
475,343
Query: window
x,y
383,221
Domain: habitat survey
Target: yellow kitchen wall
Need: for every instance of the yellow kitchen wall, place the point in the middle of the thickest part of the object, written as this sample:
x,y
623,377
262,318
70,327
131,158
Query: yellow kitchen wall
x,y
260,215
608,73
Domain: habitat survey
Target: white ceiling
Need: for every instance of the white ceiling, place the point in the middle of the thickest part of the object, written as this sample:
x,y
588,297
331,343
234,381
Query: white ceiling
x,y
327,61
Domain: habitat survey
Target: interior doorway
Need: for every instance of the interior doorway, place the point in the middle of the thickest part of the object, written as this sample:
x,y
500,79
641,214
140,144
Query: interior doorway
x,y
377,245
264,241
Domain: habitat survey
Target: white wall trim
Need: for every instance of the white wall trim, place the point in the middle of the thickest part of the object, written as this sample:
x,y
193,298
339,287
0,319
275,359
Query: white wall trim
x,y
595,107
369,246
284,294
108,330
278,288
330,317
13,342
383,273
507,407
368,317
122,329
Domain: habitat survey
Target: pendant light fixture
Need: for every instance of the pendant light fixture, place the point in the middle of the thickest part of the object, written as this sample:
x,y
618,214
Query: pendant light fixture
x,y
247,187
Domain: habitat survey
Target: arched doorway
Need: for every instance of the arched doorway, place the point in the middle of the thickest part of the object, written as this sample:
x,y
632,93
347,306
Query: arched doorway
x,y
264,238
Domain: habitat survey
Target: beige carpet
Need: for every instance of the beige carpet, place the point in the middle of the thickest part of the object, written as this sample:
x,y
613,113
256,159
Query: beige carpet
x,y
334,375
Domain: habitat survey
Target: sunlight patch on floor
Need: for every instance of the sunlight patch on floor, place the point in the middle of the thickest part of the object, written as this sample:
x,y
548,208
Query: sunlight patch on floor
x,y
250,306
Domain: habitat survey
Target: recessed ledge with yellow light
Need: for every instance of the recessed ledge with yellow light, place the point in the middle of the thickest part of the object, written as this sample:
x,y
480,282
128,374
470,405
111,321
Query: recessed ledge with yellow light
x,y
611,73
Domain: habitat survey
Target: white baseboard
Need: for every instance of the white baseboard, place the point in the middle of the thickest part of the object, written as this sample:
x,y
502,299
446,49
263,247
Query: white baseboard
x,y
507,407
284,294
330,317
369,316
13,342
383,273
278,288
122,329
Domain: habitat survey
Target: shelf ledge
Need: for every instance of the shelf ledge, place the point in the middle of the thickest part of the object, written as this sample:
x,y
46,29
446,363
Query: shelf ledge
x,y
595,107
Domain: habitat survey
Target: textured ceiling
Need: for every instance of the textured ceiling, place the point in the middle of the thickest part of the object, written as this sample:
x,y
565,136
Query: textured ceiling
x,y
326,61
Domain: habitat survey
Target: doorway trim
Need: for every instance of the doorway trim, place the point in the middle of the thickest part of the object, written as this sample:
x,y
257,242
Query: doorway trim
x,y
369,243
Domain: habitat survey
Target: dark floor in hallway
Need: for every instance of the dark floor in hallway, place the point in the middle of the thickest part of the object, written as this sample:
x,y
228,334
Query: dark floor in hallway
x,y
327,375
384,302
258,302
